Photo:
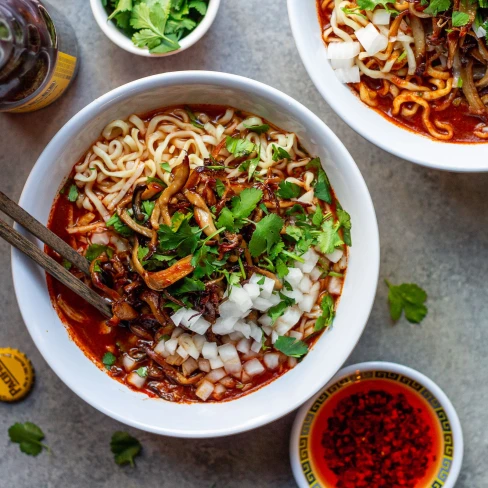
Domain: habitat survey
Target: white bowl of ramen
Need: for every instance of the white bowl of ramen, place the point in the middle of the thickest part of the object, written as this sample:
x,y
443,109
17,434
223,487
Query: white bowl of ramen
x,y
110,29
366,121
273,400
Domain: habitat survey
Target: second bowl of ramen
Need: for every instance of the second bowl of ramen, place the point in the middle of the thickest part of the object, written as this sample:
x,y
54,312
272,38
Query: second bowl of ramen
x,y
417,93
236,242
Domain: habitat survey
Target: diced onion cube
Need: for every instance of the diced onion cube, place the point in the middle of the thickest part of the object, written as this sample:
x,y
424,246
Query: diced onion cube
x,y
296,335
267,287
267,330
189,366
294,276
256,332
204,390
305,284
190,318
244,345
252,290
171,345
256,346
241,298
209,350
262,304
316,273
381,17
225,325
128,363
253,367
177,332
200,326
271,360
311,258
335,256
204,365
135,380
216,363
161,349
199,341
265,320
186,342
227,352
243,328
215,375
229,309
342,63
335,285
306,197
343,50
233,366
348,75
297,295
181,351
178,315
255,278
306,303
372,41
235,336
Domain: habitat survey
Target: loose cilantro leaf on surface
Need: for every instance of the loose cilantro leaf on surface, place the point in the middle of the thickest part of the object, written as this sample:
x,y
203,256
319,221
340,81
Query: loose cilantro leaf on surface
x,y
345,222
96,250
279,153
288,190
73,193
325,320
329,239
408,298
108,359
142,371
166,167
459,19
322,189
119,226
125,448
239,147
28,436
266,234
219,188
437,6
277,311
184,240
258,129
291,347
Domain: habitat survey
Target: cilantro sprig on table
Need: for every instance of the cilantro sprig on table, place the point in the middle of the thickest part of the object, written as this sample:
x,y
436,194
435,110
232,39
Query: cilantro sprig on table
x,y
124,448
158,25
408,298
29,437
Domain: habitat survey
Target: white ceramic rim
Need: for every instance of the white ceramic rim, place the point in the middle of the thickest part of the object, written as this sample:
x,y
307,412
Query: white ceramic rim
x,y
404,143
121,40
132,89
457,432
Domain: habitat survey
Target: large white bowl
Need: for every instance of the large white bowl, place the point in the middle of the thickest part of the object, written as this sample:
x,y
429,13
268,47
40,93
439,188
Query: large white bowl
x,y
281,396
120,39
365,120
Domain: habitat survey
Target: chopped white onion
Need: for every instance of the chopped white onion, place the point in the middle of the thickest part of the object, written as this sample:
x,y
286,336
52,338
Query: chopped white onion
x,y
274,337
253,367
267,287
292,362
216,375
128,363
343,50
381,17
267,330
190,318
219,391
316,273
209,350
271,360
256,332
235,336
261,304
252,290
181,351
307,303
178,315
189,366
216,363
265,320
241,298
177,332
161,349
243,328
199,341
306,197
135,380
229,309
255,278
288,320
372,41
200,326
296,335
256,346
244,345
186,342
204,390
335,285
342,63
274,299
171,345
294,276
224,325
100,238
227,352
297,295
204,365
305,284
348,75
335,256
233,366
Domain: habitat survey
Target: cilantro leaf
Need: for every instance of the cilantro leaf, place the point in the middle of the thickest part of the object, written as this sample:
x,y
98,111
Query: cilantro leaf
x,y
278,310
193,118
279,153
147,208
288,190
437,6
73,193
166,167
408,298
96,250
226,219
328,314
28,436
66,264
459,19
219,188
258,129
318,216
291,347
329,239
189,285
322,189
250,165
372,4
199,6
119,226
184,240
239,147
121,6
142,371
266,234
345,223
108,359
125,448
281,268
246,202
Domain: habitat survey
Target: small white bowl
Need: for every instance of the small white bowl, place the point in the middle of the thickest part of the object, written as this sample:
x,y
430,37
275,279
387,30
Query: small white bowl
x,y
118,37
290,390
366,121
449,425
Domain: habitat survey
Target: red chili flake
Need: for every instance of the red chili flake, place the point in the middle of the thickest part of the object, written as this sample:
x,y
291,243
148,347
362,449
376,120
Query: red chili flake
x,y
377,440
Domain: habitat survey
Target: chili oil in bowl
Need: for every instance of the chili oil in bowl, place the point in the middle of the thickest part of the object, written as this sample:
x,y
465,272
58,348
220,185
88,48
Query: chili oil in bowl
x,y
376,425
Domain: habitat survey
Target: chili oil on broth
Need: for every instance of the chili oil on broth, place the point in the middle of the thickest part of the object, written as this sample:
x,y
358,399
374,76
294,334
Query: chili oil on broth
x,y
447,118
82,223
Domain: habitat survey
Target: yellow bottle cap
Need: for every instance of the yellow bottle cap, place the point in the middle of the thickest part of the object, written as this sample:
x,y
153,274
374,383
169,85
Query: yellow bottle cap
x,y
16,375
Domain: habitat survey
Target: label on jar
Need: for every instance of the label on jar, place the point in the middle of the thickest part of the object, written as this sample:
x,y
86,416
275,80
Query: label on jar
x,y
63,74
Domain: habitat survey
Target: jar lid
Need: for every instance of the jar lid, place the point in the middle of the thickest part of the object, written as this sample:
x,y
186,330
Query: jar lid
x,y
16,375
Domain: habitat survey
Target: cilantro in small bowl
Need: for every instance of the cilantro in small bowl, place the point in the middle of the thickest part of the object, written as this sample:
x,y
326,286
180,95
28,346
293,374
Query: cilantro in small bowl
x,y
154,27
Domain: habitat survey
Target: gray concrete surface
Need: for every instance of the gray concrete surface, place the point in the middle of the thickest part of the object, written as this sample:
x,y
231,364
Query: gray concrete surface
x,y
433,232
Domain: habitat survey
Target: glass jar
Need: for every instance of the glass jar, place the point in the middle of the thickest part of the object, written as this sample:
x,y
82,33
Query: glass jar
x,y
38,55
